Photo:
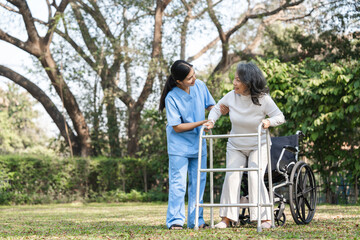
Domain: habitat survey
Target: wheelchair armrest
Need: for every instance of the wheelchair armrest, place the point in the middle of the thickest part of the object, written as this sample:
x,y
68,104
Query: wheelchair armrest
x,y
290,148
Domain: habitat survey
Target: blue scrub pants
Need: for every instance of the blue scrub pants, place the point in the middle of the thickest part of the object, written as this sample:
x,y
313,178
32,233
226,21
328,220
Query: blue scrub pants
x,y
178,168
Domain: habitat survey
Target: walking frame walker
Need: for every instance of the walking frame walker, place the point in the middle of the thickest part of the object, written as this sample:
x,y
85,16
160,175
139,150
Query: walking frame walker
x,y
211,170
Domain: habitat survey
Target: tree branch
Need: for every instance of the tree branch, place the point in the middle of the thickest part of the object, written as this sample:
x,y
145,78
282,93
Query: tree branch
x,y
248,16
77,48
89,41
99,19
206,9
216,21
241,22
49,10
9,8
17,12
20,44
41,96
54,21
28,19
203,50
298,17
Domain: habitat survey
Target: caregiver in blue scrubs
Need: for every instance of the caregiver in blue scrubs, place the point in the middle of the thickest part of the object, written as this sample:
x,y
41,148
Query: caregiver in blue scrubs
x,y
185,99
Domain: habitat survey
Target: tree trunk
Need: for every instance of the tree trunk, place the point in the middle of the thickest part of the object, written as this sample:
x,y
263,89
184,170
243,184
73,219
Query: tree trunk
x,y
136,108
356,190
145,179
97,110
69,102
133,126
113,129
215,77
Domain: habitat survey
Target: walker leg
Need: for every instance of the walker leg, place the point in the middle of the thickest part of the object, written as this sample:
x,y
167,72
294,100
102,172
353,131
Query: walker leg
x,y
196,227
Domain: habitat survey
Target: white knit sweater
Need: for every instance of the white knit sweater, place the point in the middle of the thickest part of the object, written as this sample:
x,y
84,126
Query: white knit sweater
x,y
245,117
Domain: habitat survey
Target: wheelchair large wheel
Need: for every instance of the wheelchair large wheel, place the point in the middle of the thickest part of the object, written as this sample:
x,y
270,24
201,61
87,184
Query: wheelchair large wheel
x,y
302,193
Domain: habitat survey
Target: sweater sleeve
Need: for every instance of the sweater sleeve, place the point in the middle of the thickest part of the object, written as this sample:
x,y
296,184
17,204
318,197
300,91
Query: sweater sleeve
x,y
276,117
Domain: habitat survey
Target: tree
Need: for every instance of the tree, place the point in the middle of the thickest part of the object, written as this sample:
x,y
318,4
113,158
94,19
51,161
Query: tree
x,y
97,56
114,41
330,34
266,13
39,47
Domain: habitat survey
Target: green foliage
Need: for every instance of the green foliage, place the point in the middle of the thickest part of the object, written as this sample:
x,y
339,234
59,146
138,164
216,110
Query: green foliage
x,y
153,151
41,179
18,131
322,100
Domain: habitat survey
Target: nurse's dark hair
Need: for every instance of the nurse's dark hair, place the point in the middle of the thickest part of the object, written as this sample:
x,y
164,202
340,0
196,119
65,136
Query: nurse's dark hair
x,y
253,78
179,70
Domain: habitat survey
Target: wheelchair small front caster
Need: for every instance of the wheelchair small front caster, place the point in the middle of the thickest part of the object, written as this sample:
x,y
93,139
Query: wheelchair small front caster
x,y
279,220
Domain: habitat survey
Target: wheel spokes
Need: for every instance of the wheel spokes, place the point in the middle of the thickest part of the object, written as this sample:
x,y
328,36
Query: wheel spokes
x,y
308,205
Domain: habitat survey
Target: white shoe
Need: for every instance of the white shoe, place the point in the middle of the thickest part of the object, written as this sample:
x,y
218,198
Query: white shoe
x,y
266,224
221,225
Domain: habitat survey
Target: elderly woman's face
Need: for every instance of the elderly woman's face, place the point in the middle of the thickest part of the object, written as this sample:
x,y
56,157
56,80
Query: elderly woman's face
x,y
239,87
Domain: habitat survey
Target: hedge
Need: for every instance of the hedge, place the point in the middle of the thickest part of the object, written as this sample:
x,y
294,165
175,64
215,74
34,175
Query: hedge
x,y
41,179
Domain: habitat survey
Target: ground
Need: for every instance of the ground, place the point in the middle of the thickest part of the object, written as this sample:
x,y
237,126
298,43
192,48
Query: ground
x,y
147,221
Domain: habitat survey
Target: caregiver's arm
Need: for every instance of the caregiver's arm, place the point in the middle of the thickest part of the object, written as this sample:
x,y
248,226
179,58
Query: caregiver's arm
x,y
188,126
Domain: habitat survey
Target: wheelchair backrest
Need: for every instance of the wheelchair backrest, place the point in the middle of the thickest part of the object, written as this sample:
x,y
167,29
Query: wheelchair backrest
x,y
277,146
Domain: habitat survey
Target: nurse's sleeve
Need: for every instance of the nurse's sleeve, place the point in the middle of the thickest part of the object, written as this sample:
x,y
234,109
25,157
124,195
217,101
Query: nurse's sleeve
x,y
172,112
276,117
209,100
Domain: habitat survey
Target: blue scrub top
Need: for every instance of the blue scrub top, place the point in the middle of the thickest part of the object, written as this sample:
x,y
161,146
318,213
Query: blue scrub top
x,y
182,107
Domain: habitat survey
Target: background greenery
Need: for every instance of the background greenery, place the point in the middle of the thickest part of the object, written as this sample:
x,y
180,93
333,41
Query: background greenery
x,y
311,64
319,98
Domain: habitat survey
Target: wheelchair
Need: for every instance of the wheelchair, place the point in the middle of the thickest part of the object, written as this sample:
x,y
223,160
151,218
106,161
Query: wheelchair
x,y
288,172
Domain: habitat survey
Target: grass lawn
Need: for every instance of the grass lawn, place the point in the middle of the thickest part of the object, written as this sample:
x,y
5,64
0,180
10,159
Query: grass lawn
x,y
146,221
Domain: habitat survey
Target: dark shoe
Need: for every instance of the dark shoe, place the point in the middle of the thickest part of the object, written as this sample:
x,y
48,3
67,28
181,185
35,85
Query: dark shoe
x,y
204,226
175,227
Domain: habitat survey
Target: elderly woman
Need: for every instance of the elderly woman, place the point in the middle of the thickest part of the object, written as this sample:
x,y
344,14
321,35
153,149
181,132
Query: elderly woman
x,y
249,104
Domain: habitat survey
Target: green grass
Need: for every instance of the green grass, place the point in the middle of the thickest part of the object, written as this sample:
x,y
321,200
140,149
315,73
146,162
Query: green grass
x,y
147,221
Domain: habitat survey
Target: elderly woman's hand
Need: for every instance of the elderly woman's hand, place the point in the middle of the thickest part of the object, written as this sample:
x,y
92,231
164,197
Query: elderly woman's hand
x,y
266,123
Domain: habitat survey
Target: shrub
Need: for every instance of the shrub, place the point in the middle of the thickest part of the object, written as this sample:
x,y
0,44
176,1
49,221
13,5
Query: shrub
x,y
41,179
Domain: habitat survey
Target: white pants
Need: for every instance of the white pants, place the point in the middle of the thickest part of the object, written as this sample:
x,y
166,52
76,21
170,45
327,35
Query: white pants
x,y
232,185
